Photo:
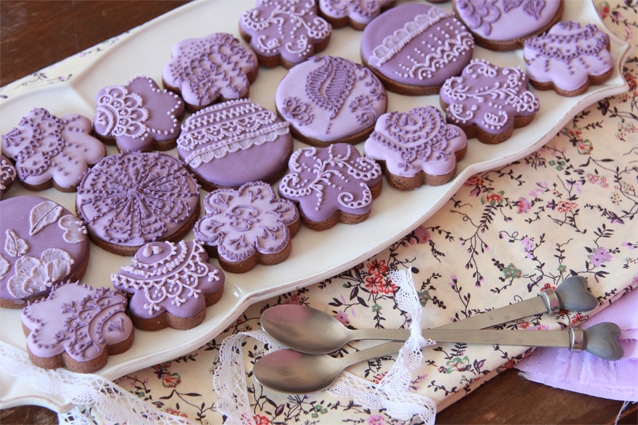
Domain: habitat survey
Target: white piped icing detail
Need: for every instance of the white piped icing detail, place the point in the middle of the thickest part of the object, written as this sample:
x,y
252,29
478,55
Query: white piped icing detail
x,y
393,43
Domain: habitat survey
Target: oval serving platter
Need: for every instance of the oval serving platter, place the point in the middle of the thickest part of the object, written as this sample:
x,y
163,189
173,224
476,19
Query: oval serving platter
x,y
315,255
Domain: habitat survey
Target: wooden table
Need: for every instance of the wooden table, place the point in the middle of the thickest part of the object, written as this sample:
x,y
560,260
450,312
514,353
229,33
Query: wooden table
x,y
35,34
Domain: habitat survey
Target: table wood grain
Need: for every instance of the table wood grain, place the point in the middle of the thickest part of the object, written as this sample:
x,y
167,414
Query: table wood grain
x,y
35,34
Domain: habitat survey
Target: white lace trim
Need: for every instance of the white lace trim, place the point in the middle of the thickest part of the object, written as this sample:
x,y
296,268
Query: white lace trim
x,y
93,398
391,393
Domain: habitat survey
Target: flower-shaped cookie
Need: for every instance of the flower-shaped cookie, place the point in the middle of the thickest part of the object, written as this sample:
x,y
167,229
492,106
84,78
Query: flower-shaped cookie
x,y
488,101
416,147
77,327
285,32
332,185
355,13
171,285
246,226
568,58
210,69
51,151
138,116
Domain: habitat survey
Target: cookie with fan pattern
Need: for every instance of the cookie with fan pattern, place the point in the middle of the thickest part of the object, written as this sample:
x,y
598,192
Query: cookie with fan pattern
x,y
329,99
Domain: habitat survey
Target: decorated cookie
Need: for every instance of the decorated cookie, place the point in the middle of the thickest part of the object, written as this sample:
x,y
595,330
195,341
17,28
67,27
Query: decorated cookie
x,y
130,199
171,284
331,185
51,151
247,226
217,144
77,327
284,32
355,13
488,101
138,116
416,147
505,24
329,99
41,244
413,48
8,175
568,58
210,69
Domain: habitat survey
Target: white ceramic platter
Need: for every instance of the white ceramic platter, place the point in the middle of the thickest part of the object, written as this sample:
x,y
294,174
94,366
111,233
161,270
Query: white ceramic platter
x,y
315,255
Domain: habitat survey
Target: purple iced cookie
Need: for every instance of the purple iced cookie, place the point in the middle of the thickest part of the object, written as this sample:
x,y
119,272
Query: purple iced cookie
x,y
568,58
8,175
210,69
505,24
235,142
41,244
51,151
355,13
77,327
130,199
416,147
171,284
138,116
328,99
284,32
247,226
331,185
488,101
413,48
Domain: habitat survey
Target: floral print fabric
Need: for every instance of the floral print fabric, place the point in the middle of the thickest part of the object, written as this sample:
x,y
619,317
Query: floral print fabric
x,y
570,207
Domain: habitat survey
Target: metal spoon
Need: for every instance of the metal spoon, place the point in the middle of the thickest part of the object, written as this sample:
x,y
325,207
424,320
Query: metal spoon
x,y
312,331
292,372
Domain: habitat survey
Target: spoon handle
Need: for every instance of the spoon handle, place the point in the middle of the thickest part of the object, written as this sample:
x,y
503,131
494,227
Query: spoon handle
x,y
571,294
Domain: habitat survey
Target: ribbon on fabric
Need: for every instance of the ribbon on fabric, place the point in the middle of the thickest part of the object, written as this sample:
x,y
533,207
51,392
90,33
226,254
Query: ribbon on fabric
x,y
92,397
391,393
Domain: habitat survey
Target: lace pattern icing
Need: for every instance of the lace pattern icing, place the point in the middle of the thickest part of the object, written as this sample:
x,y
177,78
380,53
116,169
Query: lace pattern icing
x,y
172,277
288,27
418,138
137,197
246,221
218,130
488,96
45,147
319,177
78,320
395,42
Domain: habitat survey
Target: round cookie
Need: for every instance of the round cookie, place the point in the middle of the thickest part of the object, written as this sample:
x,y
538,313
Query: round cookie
x,y
130,199
328,99
568,58
8,175
171,284
51,151
77,327
505,24
355,13
41,244
488,101
284,32
413,48
217,144
247,226
210,69
331,185
416,147
138,116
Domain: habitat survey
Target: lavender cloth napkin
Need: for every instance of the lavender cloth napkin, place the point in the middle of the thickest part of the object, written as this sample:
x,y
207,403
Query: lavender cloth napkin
x,y
585,373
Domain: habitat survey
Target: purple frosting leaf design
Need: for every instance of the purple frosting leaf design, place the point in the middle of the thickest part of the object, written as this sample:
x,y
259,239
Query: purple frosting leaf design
x,y
330,85
534,8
